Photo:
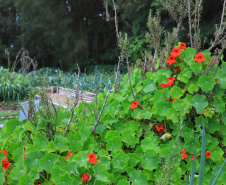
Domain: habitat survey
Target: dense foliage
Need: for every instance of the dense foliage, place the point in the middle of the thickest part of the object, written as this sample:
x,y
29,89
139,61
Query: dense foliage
x,y
13,86
94,82
154,145
63,33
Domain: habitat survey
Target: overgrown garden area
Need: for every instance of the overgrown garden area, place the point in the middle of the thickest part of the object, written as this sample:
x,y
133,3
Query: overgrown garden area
x,y
156,117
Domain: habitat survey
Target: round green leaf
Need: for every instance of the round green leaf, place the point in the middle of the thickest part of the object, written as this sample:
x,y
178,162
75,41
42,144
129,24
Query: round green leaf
x,y
25,179
133,159
193,88
223,66
187,133
206,83
219,106
112,133
150,160
32,160
147,113
2,177
173,115
222,80
120,160
81,158
185,75
76,142
216,153
40,142
161,95
176,92
196,68
138,178
136,113
48,161
150,142
149,85
101,173
123,182
114,144
61,143
56,172
128,136
65,179
162,107
17,172
199,102
213,125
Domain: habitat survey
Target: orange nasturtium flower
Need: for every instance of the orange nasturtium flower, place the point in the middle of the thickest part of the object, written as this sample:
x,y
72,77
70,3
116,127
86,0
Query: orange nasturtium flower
x,y
25,156
134,105
92,158
208,153
85,178
199,58
176,52
170,81
171,60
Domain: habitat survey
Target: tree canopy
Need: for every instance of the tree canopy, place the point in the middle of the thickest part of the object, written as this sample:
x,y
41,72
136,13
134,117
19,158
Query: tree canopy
x,y
63,33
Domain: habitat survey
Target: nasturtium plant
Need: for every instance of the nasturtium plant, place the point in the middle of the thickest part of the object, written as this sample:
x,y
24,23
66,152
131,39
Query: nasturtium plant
x,y
132,144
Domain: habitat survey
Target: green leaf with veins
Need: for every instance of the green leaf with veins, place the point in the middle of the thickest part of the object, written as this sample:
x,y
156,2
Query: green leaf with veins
x,y
206,83
199,102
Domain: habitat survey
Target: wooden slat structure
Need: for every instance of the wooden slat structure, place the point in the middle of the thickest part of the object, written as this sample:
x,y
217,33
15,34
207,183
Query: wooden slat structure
x,y
83,96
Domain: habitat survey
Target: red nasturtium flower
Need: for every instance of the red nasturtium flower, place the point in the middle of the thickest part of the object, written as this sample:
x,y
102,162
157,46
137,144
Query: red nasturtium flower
x,y
183,151
134,105
121,148
163,85
85,178
170,81
69,154
176,52
25,156
4,152
6,165
184,156
177,68
168,98
173,100
5,159
208,153
182,46
199,58
215,79
160,128
171,60
131,118
92,158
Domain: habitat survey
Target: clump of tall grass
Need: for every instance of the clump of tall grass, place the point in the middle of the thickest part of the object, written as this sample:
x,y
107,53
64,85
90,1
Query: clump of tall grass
x,y
13,86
